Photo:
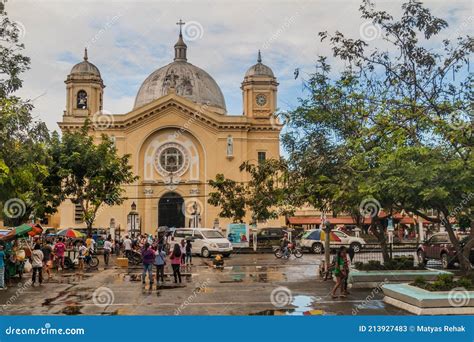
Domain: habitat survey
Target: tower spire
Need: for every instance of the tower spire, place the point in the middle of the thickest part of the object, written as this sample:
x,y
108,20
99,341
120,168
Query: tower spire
x,y
180,47
259,57
85,54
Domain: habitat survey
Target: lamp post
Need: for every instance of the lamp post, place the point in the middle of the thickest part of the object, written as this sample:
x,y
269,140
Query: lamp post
x,y
133,220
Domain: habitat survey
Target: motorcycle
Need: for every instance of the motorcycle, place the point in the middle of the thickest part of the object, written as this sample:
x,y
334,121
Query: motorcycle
x,y
134,257
292,249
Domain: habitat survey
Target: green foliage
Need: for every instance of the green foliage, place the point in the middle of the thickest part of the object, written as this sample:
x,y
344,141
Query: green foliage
x,y
386,127
24,162
229,196
445,282
265,194
397,263
91,174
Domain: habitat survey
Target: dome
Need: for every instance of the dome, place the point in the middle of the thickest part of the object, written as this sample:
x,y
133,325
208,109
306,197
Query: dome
x,y
188,80
85,67
259,69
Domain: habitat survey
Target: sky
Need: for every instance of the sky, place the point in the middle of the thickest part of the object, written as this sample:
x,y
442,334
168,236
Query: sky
x,y
127,40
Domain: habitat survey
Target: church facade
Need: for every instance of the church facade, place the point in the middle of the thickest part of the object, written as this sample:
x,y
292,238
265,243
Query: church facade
x,y
179,136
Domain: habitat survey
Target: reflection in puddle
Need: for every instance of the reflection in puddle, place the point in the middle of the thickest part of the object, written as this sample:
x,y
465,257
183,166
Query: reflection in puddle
x,y
302,307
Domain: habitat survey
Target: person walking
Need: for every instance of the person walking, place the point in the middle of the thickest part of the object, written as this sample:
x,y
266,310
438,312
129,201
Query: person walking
x,y
47,250
107,250
189,254
127,244
59,249
37,257
2,268
148,256
175,258
339,272
160,262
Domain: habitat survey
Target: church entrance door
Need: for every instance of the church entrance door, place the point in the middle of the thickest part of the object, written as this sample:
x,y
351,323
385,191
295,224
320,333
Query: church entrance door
x,y
170,210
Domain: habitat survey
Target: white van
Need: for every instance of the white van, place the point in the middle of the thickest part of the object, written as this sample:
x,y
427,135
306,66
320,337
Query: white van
x,y
205,241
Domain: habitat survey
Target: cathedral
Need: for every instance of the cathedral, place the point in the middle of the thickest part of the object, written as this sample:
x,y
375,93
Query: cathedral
x,y
179,136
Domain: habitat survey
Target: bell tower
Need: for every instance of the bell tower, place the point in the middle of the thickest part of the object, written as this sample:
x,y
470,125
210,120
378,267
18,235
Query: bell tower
x,y
84,90
259,90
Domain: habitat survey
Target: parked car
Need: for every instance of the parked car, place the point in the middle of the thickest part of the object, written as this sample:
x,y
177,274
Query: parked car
x,y
313,240
271,236
205,241
439,247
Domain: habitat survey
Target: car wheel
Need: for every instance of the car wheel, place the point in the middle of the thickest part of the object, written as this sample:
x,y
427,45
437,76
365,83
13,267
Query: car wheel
x,y
317,248
445,261
356,247
205,252
421,257
226,255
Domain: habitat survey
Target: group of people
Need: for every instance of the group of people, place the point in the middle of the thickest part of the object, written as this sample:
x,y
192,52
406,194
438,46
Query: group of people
x,y
155,252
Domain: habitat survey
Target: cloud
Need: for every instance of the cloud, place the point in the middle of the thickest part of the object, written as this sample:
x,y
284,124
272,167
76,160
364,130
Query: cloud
x,y
128,40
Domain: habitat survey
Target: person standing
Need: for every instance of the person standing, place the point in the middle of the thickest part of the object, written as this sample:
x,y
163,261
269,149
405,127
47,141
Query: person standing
x,y
107,250
175,258
82,255
59,249
148,256
160,262
47,260
2,268
183,252
189,254
37,257
127,244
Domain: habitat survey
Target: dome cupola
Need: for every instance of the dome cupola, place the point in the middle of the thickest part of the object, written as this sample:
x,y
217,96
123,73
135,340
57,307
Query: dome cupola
x,y
188,81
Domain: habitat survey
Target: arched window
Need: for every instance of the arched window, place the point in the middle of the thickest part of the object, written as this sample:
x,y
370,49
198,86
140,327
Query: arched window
x,y
81,99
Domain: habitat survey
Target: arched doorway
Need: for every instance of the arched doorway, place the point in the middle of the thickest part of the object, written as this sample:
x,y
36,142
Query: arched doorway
x,y
170,210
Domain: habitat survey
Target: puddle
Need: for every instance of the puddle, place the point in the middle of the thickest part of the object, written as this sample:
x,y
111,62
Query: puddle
x,y
303,307
371,305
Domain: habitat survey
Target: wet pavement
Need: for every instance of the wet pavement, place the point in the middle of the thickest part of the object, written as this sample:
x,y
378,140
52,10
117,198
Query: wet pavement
x,y
252,284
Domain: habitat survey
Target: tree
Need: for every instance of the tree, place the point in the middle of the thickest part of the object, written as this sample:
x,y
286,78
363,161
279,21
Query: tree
x,y
229,197
24,163
92,175
263,195
396,125
430,115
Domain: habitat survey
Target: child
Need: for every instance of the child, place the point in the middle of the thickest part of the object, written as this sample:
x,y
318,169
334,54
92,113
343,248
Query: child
x,y
37,257
82,255
2,269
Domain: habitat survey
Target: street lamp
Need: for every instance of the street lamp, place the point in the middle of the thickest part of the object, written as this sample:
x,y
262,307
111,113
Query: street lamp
x,y
133,220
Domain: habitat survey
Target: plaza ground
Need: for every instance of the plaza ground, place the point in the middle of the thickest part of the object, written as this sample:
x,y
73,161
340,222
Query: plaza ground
x,y
243,287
